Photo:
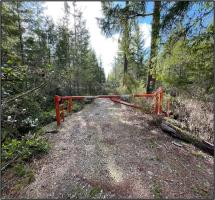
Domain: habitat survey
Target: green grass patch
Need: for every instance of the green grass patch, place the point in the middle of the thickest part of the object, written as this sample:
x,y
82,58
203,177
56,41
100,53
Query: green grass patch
x,y
156,190
94,191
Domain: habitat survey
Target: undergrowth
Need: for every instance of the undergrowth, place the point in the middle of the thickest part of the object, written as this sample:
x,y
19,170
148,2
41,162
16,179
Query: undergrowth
x,y
17,152
23,149
16,155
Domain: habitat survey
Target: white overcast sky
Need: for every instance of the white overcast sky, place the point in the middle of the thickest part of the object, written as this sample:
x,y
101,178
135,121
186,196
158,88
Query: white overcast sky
x,y
105,48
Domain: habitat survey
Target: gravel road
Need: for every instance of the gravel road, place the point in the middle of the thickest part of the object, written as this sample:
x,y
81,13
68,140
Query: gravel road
x,y
108,150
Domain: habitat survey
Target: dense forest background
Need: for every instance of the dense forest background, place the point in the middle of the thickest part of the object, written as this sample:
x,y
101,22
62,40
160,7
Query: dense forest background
x,y
181,53
37,54
40,59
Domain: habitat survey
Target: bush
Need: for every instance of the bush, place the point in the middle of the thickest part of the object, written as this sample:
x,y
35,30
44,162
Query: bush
x,y
22,170
25,148
77,106
47,117
22,116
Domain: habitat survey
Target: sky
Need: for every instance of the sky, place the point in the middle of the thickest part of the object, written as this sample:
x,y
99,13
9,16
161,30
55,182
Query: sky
x,y
105,48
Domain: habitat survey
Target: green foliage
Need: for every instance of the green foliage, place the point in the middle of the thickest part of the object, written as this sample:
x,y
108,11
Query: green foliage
x,y
175,13
94,191
25,148
23,170
10,148
34,50
77,106
187,63
47,117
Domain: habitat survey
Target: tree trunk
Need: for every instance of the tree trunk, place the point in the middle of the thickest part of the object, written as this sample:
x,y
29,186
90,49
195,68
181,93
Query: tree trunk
x,y
25,82
126,43
125,64
154,45
76,61
20,34
171,127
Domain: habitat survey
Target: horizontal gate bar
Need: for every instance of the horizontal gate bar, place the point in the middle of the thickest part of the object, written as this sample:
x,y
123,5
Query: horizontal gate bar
x,y
157,95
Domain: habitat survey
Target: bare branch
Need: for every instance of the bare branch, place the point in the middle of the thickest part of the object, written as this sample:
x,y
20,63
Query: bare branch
x,y
23,94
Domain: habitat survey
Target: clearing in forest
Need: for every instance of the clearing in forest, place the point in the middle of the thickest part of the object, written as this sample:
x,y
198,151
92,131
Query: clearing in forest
x,y
108,150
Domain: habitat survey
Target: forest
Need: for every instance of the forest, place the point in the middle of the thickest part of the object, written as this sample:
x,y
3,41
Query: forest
x,y
41,59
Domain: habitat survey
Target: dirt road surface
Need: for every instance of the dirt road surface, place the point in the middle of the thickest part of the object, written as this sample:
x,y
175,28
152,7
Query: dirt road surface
x,y
108,150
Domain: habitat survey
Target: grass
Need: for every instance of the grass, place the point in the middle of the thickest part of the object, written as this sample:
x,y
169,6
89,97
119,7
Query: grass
x,y
79,192
156,158
156,190
200,191
152,144
23,150
94,191
17,177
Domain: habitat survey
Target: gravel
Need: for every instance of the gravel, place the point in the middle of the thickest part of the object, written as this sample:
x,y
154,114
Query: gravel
x,y
108,150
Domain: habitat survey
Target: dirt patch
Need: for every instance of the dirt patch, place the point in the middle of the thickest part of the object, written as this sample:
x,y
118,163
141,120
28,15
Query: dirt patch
x,y
108,150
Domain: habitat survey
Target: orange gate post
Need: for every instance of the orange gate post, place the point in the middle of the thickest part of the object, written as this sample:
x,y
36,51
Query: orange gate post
x,y
62,111
69,105
158,100
57,109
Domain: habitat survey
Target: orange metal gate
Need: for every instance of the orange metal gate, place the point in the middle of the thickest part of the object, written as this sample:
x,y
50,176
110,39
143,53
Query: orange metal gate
x,y
157,95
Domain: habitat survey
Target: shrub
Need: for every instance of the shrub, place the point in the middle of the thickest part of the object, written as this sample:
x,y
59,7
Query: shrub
x,y
77,106
25,148
21,169
22,116
47,117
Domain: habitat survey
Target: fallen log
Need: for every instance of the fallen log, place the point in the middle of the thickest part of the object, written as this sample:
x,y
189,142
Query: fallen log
x,y
174,122
125,103
52,131
170,128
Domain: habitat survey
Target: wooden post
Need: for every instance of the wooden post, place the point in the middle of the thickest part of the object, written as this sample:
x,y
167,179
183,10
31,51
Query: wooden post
x,y
57,109
161,100
158,100
69,104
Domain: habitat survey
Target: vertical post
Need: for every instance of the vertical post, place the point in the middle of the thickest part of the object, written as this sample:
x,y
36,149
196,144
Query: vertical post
x,y
161,100
156,101
69,105
70,109
57,109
